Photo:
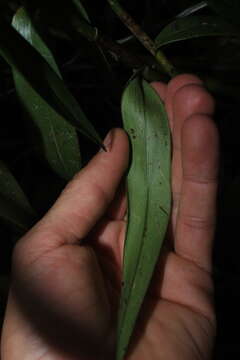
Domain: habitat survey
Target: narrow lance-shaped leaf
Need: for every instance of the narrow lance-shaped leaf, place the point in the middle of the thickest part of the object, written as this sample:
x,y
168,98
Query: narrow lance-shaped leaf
x,y
12,214
99,57
43,78
195,27
82,11
192,9
71,18
228,9
149,199
57,139
15,208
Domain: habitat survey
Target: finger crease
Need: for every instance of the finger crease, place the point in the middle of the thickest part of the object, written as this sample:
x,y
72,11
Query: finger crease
x,y
198,180
197,222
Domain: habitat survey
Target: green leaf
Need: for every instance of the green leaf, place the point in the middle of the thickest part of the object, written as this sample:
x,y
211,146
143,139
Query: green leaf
x,y
195,27
44,80
82,11
228,9
57,139
99,57
193,9
67,16
71,9
71,18
149,199
14,206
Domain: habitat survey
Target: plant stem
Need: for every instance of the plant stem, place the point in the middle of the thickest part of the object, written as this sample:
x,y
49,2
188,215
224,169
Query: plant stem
x,y
129,58
86,30
147,42
94,35
133,26
166,64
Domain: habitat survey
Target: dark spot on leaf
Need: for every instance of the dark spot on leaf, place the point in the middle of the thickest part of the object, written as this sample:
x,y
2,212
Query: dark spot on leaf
x,y
161,208
132,130
134,137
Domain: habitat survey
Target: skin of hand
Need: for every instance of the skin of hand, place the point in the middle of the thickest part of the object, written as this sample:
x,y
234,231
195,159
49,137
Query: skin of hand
x,y
66,271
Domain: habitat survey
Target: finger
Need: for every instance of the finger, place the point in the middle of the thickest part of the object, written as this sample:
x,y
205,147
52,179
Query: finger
x,y
167,93
85,199
188,100
174,85
197,209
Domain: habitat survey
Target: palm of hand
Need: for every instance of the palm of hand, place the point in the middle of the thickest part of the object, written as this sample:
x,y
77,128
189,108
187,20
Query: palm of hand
x,y
64,296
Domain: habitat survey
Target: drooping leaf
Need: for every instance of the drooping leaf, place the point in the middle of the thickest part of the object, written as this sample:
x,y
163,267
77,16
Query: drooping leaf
x,y
57,139
43,78
67,16
149,199
99,58
193,9
194,27
13,215
15,208
228,9
81,9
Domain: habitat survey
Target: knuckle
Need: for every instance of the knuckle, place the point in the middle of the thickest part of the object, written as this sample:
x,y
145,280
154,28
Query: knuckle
x,y
184,79
200,98
98,194
197,222
204,180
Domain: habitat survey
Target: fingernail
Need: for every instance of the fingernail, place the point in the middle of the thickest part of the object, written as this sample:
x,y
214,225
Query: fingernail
x,y
108,141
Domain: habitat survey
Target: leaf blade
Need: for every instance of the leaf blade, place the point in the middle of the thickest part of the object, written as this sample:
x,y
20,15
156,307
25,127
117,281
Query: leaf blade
x,y
58,140
79,6
69,17
194,27
147,125
43,79
192,9
15,208
228,9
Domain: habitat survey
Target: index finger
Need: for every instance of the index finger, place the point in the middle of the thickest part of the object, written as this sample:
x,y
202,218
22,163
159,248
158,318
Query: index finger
x,y
83,202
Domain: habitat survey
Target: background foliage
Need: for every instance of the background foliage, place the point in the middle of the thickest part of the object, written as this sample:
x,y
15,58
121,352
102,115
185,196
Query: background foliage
x,y
199,37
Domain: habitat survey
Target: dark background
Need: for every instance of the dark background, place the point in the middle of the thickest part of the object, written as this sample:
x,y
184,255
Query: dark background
x,y
215,60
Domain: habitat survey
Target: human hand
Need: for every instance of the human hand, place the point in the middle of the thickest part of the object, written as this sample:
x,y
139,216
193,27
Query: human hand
x,y
66,273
